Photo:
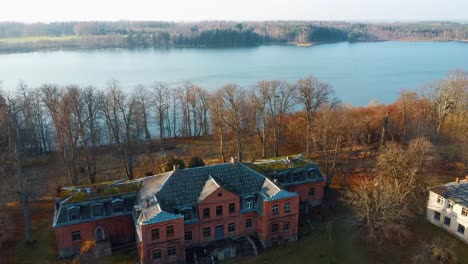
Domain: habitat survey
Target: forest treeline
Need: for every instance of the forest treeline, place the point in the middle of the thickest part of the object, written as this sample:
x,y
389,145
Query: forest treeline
x,y
76,120
131,34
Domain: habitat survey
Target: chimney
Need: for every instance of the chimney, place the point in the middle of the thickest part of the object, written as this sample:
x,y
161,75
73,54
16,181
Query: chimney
x,y
234,160
175,167
457,180
466,178
147,203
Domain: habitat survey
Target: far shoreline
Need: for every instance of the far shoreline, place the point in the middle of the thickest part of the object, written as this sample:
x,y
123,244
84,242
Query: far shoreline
x,y
296,44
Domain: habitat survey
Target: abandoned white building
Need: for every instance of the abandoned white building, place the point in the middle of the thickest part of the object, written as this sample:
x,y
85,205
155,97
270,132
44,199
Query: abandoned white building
x,y
447,207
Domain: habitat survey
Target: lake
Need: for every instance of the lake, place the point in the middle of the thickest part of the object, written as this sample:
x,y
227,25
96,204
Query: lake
x,y
359,72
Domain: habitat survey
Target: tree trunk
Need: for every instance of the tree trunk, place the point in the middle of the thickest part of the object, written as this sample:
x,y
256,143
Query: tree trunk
x,y
384,129
21,191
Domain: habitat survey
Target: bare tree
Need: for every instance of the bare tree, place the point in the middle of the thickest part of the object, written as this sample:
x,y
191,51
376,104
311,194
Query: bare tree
x,y
12,121
279,104
118,110
143,103
161,104
311,94
66,109
439,251
260,95
445,97
385,203
91,128
217,119
234,113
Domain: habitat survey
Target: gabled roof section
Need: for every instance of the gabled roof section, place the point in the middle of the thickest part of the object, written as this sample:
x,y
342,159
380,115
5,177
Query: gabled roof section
x,y
210,186
154,214
185,186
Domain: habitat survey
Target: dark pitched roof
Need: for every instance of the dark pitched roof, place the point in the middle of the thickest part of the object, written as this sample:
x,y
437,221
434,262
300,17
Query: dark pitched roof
x,y
184,186
456,192
162,196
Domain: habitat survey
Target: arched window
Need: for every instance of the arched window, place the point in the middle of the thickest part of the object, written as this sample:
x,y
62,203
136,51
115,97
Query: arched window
x,y
99,234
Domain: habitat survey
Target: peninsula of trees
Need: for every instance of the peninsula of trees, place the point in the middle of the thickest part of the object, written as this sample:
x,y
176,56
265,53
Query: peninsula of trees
x,y
17,37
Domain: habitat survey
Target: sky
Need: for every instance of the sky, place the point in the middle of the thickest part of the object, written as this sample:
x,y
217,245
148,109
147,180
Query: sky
x,y
239,10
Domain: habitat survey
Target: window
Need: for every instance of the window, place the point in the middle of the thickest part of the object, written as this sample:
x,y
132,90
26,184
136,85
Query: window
x,y
231,227
461,229
249,204
440,199
274,228
248,223
206,213
117,205
76,236
450,204
275,209
312,173
206,232
170,230
437,216
155,233
73,215
447,221
464,212
287,207
187,215
99,233
219,210
286,226
171,251
98,210
156,254
188,235
311,192
232,208
220,194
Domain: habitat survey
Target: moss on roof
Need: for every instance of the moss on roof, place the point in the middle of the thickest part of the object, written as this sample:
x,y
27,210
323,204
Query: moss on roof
x,y
104,190
281,163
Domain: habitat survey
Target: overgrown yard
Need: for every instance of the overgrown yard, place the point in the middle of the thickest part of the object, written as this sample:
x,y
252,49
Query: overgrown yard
x,y
336,241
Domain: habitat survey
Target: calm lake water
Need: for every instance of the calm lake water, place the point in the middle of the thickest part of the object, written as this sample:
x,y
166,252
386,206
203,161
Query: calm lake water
x,y
359,72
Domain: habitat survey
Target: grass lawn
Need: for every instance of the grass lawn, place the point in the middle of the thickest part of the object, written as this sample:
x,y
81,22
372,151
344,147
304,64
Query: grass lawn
x,y
19,40
339,242
333,242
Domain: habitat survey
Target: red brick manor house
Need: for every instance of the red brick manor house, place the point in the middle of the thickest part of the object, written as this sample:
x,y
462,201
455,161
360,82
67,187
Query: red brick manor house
x,y
176,216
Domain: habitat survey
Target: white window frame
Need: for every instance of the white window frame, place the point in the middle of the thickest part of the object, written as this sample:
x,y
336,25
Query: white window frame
x,y
440,199
450,204
275,209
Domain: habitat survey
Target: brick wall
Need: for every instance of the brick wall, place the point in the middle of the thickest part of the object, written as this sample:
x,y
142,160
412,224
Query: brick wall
x,y
163,243
119,230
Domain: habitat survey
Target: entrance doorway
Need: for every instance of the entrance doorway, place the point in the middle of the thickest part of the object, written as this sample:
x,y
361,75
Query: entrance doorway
x,y
219,232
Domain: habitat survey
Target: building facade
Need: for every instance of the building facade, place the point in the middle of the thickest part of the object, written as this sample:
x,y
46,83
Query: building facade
x,y
166,214
447,207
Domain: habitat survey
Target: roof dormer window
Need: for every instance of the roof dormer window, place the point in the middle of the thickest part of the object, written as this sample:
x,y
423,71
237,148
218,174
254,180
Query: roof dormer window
x,y
117,205
187,213
98,210
73,213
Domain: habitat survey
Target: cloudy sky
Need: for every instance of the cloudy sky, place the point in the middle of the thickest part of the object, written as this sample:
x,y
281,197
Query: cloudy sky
x,y
192,10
